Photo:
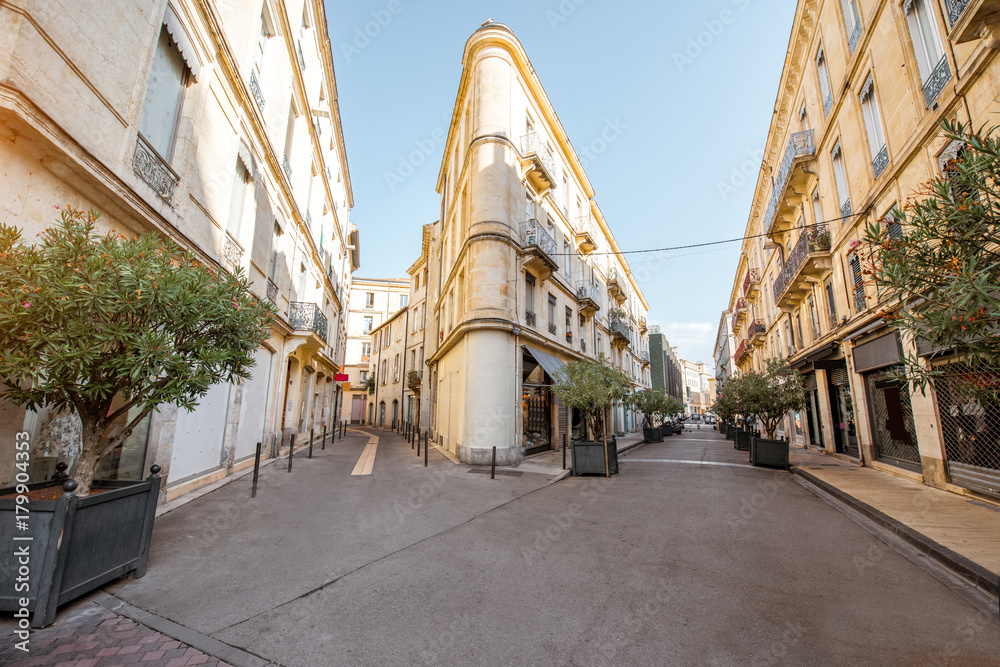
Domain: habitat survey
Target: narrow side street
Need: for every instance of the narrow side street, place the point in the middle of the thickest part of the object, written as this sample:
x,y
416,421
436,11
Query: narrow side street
x,y
689,556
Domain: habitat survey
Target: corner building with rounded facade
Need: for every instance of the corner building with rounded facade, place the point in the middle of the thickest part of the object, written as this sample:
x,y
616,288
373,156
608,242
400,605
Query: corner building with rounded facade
x,y
525,274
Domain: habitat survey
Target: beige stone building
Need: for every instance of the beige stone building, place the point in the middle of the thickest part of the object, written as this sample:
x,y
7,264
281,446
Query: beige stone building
x,y
523,271
854,134
372,302
215,124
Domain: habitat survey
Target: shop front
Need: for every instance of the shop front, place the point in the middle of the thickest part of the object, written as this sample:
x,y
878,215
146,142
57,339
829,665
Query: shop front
x,y
894,433
844,426
537,401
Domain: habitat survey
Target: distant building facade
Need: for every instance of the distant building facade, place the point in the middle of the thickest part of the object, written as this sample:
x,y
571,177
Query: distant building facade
x,y
372,302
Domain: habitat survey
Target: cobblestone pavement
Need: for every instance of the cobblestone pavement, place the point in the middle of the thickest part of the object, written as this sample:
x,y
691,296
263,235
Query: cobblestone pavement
x,y
91,636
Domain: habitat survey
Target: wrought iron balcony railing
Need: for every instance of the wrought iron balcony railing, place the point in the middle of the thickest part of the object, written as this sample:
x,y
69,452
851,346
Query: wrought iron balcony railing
x,y
530,318
586,233
817,240
846,210
800,145
552,328
154,170
272,292
935,82
620,328
753,276
852,42
827,104
756,328
255,91
644,357
881,161
532,145
534,234
286,166
955,9
741,351
586,290
308,317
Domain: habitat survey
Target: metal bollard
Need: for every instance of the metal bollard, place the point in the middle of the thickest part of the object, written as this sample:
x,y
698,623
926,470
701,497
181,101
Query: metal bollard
x,y
291,451
311,438
412,444
493,466
323,443
425,454
342,429
418,447
256,472
564,451
426,445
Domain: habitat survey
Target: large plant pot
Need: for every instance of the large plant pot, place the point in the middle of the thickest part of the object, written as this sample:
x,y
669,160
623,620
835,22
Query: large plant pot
x,y
651,435
769,453
77,544
588,458
742,441
666,430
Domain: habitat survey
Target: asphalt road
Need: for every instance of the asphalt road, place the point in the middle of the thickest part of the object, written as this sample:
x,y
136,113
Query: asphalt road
x,y
688,557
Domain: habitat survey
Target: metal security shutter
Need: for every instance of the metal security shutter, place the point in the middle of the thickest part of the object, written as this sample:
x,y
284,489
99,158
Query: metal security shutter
x,y
838,376
971,430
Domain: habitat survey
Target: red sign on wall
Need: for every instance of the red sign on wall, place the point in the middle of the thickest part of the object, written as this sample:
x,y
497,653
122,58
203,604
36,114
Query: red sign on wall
x,y
342,377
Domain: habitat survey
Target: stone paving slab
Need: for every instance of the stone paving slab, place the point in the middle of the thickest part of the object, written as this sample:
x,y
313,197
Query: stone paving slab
x,y
968,528
89,635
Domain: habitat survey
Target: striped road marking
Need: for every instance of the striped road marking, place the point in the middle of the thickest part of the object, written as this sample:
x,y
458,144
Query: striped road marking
x,y
700,463
367,460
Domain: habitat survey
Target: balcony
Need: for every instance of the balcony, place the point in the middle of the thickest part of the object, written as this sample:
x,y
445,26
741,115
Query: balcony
x,y
620,334
530,319
542,248
589,298
537,159
852,41
154,170
809,259
585,231
973,19
258,96
552,328
583,345
751,284
644,358
741,311
741,351
308,317
414,379
272,292
801,149
232,251
617,286
642,325
755,333
935,82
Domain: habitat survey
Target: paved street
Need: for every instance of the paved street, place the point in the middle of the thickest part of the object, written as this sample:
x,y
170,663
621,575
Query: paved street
x,y
689,556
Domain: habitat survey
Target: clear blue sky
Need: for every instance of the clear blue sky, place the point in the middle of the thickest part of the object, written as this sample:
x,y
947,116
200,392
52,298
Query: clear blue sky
x,y
691,85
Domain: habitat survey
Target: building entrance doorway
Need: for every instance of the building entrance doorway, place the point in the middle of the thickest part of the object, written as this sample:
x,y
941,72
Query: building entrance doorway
x,y
893,431
845,431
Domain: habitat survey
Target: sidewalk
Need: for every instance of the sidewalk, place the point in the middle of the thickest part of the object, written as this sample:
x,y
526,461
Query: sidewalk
x,y
962,534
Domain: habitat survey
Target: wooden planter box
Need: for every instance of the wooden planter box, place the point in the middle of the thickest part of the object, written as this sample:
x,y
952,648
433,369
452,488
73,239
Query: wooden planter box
x,y
588,458
78,544
652,435
769,453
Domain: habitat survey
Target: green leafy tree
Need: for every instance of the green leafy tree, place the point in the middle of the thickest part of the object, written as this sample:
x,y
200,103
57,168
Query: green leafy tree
x,y
370,384
672,406
768,396
652,403
936,261
592,387
110,327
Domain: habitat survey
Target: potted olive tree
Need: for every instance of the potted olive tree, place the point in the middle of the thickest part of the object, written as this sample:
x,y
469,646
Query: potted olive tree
x,y
103,329
592,387
671,407
768,397
652,403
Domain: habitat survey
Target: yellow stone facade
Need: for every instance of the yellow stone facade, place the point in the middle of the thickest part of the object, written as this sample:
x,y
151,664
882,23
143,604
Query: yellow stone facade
x,y
854,133
215,124
523,259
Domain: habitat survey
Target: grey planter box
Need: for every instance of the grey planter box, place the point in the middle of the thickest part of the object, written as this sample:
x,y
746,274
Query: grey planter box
x,y
588,458
666,430
769,453
78,544
742,441
652,435
730,432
